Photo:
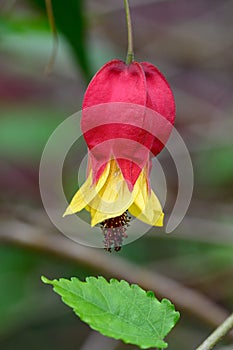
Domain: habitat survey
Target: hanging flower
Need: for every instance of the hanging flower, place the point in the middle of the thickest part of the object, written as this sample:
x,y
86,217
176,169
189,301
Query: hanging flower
x,y
128,112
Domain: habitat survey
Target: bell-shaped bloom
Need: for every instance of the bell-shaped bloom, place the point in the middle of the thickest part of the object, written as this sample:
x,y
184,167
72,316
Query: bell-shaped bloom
x,y
127,116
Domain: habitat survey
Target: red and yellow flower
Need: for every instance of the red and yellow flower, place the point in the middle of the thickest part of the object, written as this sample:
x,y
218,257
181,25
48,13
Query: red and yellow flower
x,y
128,111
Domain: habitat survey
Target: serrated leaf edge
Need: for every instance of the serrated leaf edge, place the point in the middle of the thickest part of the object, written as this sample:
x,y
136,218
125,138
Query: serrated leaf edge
x,y
150,294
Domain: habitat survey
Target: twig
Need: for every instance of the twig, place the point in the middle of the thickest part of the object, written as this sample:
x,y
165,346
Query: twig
x,y
185,299
217,335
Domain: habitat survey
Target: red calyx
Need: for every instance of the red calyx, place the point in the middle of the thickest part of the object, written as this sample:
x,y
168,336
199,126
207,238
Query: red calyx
x,y
139,84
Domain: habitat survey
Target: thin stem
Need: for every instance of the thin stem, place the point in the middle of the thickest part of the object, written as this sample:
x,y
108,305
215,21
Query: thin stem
x,y
49,9
130,53
217,335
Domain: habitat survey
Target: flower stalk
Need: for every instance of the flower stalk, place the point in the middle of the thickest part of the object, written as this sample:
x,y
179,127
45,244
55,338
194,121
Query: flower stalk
x,y
130,52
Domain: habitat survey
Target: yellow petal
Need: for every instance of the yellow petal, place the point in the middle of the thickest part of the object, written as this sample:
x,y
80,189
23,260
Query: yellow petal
x,y
146,206
113,199
110,197
152,213
87,192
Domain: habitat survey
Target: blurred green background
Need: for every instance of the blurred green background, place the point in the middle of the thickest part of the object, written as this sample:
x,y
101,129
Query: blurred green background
x,y
191,43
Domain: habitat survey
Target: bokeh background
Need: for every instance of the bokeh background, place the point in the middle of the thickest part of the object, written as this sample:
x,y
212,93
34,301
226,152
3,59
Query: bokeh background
x,y
191,43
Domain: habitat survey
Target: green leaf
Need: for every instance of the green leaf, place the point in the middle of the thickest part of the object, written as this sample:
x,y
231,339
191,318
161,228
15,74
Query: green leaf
x,y
119,310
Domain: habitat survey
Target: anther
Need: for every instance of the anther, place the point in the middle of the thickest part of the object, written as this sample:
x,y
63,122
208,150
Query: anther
x,y
114,230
